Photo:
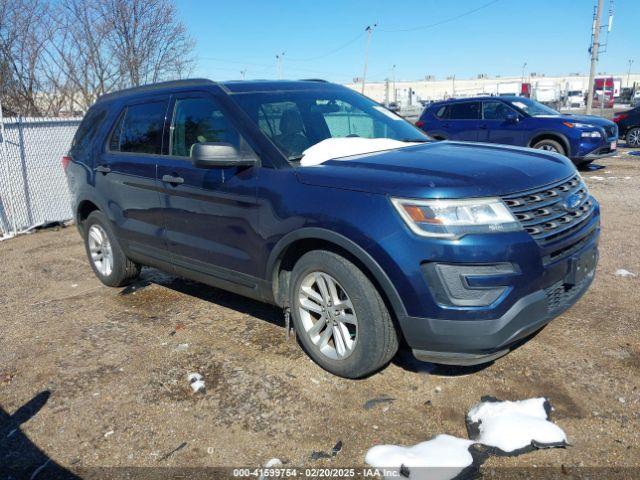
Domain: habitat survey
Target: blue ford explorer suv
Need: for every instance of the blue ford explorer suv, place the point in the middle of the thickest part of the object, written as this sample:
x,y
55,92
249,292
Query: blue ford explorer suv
x,y
522,122
461,250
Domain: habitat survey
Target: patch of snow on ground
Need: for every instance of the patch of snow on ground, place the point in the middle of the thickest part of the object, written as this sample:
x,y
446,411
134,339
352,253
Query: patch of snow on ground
x,y
333,148
441,458
511,426
621,272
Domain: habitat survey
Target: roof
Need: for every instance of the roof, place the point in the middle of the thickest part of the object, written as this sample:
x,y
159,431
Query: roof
x,y
233,86
509,98
157,87
246,86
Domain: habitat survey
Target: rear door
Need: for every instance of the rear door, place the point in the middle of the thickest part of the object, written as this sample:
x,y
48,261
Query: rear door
x,y
125,175
210,214
464,121
495,128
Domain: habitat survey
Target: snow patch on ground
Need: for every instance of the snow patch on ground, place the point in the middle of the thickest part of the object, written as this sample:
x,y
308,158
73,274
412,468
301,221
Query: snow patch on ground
x,y
621,272
495,428
333,148
442,457
514,427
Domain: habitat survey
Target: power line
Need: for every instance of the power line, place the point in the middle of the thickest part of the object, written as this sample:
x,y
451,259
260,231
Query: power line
x,y
441,22
330,52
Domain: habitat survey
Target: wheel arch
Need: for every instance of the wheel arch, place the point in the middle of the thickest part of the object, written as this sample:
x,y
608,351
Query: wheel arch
x,y
291,247
551,135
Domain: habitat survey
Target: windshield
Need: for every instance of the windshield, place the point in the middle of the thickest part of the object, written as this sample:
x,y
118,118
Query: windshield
x,y
575,93
296,120
532,107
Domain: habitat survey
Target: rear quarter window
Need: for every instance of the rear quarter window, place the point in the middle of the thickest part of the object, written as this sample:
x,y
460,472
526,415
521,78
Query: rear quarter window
x,y
442,112
87,130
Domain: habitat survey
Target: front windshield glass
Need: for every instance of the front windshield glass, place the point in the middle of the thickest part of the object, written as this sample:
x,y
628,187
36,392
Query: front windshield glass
x,y
296,120
532,107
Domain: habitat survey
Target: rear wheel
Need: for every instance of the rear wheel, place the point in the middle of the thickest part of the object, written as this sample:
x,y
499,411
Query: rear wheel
x,y
340,319
550,146
633,137
107,259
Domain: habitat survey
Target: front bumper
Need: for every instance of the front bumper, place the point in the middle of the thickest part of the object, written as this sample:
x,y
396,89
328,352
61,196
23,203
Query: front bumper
x,y
465,341
470,343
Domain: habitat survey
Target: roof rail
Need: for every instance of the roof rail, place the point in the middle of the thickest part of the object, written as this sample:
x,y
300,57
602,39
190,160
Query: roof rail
x,y
156,86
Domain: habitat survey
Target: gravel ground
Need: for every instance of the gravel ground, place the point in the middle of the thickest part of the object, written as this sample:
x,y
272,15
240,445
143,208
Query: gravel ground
x,y
92,376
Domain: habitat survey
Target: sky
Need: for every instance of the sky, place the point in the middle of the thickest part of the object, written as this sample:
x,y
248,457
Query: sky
x,y
327,39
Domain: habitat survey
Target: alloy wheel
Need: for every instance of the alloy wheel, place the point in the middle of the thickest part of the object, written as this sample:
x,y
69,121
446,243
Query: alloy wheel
x,y
633,137
328,316
100,249
548,148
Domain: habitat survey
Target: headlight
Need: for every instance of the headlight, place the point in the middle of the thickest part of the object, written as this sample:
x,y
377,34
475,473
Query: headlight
x,y
594,134
455,218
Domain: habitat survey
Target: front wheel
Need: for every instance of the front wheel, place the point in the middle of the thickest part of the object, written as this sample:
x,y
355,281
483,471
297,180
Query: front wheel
x,y
633,137
550,146
340,318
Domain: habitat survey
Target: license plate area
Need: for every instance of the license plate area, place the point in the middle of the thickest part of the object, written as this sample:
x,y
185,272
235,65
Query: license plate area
x,y
580,266
613,145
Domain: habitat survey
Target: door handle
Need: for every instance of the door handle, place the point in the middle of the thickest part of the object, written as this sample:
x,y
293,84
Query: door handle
x,y
446,125
103,169
173,180
483,126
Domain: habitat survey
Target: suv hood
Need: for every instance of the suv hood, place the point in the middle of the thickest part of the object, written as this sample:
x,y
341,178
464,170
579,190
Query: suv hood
x,y
590,119
442,170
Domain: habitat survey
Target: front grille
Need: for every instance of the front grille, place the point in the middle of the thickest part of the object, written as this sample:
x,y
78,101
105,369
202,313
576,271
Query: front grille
x,y
545,214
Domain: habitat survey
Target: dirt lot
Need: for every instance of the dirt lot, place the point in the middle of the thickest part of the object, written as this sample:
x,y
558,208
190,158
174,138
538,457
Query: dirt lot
x,y
97,376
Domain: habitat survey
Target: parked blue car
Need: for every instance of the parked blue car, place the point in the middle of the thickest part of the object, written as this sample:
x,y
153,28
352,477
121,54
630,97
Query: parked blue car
x,y
522,122
461,250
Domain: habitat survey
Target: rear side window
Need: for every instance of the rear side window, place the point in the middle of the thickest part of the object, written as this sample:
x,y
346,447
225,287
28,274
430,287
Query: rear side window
x,y
465,111
87,130
139,129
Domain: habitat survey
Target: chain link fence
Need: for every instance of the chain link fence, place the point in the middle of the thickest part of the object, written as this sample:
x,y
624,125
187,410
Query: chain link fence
x,y
33,187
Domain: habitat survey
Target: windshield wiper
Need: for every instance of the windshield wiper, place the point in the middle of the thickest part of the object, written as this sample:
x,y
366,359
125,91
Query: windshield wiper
x,y
416,140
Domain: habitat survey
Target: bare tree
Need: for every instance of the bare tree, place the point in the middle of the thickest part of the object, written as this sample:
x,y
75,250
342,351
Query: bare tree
x,y
22,42
148,41
62,54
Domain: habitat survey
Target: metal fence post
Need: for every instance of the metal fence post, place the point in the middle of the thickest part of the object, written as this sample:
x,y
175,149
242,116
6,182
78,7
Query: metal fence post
x,y
11,229
25,177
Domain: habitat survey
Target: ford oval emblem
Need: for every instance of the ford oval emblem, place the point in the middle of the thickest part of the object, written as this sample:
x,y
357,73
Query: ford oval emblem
x,y
572,201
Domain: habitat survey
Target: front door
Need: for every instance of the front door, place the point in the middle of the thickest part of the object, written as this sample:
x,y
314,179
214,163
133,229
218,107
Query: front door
x,y
210,214
125,176
496,127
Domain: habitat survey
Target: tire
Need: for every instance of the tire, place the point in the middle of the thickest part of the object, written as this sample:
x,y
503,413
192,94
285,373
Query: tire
x,y
633,137
550,145
106,258
362,347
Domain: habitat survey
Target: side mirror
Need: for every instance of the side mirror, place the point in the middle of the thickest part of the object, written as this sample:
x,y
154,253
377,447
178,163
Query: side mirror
x,y
219,154
512,118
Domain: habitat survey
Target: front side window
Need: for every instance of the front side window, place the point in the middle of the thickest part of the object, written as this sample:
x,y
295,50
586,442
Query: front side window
x,y
139,129
297,120
199,120
465,111
495,111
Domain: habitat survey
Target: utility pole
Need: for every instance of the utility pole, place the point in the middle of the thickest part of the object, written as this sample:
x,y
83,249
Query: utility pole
x,y
369,31
524,65
595,46
629,71
243,73
279,59
453,86
393,74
